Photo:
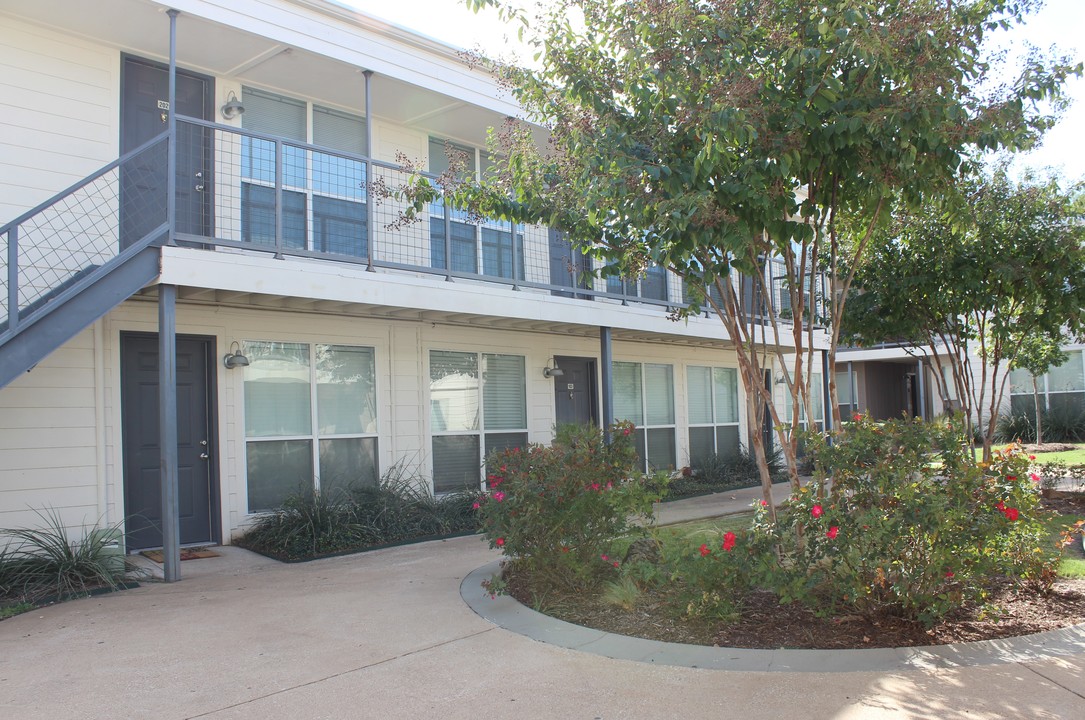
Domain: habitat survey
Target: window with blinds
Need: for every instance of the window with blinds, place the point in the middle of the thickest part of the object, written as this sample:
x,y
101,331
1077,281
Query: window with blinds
x,y
478,404
310,420
644,395
712,397
324,193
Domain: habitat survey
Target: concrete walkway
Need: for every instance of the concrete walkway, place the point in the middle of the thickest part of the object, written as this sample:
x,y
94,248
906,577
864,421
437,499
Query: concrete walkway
x,y
386,634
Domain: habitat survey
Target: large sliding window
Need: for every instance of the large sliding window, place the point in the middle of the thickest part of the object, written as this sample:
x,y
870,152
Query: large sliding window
x,y
1061,388
713,412
478,246
478,404
644,395
323,193
310,419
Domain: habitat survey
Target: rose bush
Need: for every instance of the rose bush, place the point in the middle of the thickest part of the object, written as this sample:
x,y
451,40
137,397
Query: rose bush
x,y
554,511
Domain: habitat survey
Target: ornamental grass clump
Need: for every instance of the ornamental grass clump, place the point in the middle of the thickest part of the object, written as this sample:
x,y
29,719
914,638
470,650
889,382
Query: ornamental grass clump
x,y
555,511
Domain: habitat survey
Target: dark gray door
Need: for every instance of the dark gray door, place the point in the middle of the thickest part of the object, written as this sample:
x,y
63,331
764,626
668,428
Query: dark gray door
x,y
139,408
567,265
574,391
144,114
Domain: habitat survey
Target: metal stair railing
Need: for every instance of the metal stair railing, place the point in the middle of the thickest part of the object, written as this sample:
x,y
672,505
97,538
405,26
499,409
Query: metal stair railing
x,y
75,257
51,252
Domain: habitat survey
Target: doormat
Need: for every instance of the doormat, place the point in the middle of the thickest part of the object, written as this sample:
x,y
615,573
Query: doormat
x,y
186,554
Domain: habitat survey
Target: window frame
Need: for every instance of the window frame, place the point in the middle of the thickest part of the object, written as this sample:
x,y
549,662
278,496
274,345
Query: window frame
x,y
311,159
1045,390
314,436
643,428
716,423
481,431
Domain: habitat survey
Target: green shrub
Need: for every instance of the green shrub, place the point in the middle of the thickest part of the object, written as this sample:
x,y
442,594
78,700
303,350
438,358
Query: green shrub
x,y
913,525
1063,423
46,562
554,511
399,507
718,473
1016,427
1060,424
309,523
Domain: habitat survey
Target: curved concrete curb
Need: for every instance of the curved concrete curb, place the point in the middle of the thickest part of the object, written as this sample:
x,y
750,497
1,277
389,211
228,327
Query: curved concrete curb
x,y
509,614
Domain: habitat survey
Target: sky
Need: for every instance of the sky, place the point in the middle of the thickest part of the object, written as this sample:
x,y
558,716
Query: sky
x,y
1060,23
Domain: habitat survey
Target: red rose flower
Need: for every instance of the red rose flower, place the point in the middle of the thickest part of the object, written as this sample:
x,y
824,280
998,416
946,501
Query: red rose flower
x,y
832,532
499,542
1011,514
816,511
949,573
705,551
729,541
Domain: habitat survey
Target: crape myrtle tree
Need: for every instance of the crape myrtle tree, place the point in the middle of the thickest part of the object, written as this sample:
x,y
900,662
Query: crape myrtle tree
x,y
987,278
712,137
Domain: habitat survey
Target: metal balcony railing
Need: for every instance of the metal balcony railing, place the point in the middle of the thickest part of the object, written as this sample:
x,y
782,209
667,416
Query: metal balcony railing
x,y
288,198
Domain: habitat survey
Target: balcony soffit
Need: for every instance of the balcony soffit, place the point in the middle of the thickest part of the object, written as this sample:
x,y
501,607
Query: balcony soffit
x,y
140,27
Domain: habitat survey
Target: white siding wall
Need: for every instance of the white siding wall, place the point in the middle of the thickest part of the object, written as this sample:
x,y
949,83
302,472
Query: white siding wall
x,y
58,113
50,440
56,451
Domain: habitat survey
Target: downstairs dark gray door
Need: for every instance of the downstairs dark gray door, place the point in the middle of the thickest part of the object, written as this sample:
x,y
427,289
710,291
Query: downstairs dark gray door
x,y
139,408
574,392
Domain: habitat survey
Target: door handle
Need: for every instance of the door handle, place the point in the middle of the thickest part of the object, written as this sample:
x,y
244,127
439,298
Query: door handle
x,y
199,187
204,456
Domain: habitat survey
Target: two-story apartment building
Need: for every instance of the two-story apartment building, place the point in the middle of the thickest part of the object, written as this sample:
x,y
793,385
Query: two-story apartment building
x,y
319,341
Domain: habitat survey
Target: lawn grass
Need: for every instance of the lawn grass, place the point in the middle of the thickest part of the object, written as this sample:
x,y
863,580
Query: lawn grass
x,y
7,611
1068,457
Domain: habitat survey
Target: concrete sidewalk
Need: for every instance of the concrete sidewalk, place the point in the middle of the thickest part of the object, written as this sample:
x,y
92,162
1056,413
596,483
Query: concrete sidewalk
x,y
386,634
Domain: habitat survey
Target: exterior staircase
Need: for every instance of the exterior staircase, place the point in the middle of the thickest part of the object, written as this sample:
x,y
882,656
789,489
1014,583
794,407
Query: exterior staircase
x,y
78,255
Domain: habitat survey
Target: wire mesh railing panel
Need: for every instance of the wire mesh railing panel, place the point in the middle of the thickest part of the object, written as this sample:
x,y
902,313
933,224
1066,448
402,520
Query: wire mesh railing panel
x,y
419,243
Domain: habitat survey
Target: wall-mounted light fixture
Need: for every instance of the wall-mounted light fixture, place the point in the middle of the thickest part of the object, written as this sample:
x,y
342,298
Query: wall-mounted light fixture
x,y
552,372
234,359
233,107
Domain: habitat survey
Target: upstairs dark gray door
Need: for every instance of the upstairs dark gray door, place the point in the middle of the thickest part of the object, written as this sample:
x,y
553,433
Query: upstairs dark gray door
x,y
567,265
574,392
195,461
144,114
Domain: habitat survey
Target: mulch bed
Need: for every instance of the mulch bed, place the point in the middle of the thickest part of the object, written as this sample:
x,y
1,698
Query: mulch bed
x,y
1009,612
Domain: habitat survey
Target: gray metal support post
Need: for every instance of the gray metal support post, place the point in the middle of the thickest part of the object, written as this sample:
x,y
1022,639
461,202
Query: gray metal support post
x,y
921,390
606,359
279,199
167,429
13,278
171,156
853,389
448,238
825,409
369,209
